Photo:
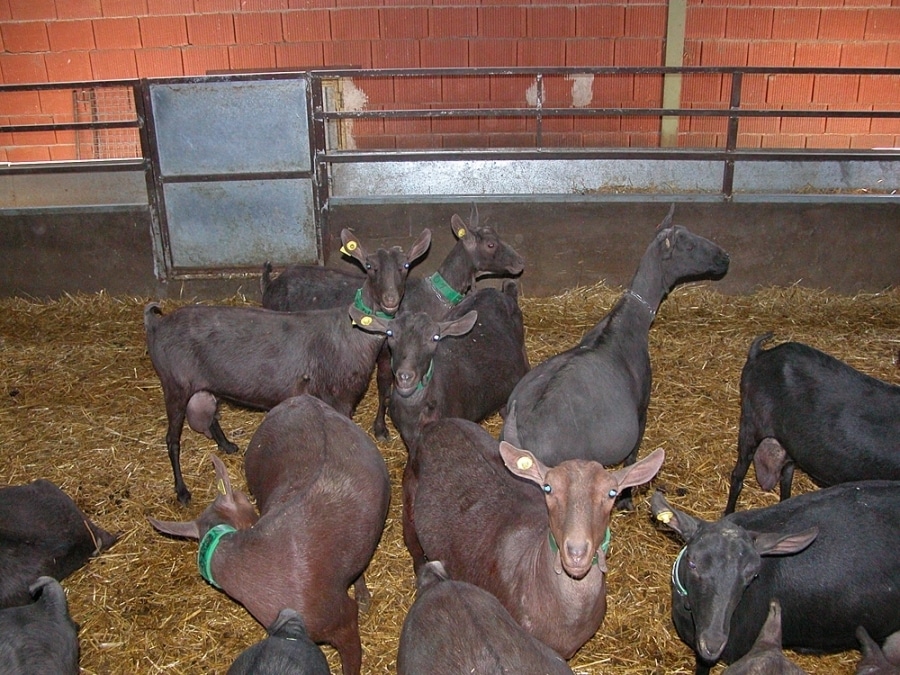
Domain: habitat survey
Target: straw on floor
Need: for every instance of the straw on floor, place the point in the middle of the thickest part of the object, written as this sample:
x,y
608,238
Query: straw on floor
x,y
82,407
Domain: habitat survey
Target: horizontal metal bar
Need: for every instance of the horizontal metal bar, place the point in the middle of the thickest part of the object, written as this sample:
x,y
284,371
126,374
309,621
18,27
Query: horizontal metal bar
x,y
599,112
74,166
501,154
216,178
50,86
605,70
70,126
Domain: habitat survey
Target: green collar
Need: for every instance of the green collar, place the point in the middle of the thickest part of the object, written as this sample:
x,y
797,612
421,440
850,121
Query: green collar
x,y
444,289
361,306
676,582
554,547
426,378
208,546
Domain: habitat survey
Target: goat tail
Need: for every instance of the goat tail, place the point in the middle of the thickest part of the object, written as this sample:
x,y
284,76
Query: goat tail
x,y
266,277
757,345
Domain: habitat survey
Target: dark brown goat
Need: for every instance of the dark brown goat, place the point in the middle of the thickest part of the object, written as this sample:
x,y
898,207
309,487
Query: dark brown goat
x,y
538,544
322,490
766,656
42,533
803,408
469,376
454,627
478,251
590,402
257,358
877,660
40,637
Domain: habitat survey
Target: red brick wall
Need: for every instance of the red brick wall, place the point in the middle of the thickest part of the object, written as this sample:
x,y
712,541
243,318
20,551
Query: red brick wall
x,y
73,40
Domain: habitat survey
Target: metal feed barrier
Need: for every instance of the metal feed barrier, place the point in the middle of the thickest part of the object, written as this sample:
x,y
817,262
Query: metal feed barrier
x,y
244,167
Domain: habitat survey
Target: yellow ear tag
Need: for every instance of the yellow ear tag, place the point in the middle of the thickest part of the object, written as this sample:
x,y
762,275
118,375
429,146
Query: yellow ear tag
x,y
365,320
665,516
460,233
349,247
221,486
524,463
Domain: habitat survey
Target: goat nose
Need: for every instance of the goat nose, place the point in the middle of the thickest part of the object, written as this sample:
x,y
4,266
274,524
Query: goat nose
x,y
577,550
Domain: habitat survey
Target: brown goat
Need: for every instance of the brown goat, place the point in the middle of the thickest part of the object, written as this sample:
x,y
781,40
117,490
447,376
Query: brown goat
x,y
322,490
538,544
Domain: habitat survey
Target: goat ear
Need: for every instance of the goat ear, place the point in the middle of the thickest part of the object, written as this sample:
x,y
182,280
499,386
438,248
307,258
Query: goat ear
x,y
667,221
522,463
367,322
676,520
460,229
459,326
640,472
187,529
223,482
352,246
769,543
420,247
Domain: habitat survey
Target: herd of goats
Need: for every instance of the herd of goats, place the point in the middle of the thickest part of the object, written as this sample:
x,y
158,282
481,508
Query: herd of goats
x,y
508,536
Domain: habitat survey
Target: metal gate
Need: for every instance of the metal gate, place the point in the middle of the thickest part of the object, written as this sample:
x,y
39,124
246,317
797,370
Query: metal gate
x,y
231,173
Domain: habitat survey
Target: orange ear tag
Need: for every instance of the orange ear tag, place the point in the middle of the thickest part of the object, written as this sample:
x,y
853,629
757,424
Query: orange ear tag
x,y
524,463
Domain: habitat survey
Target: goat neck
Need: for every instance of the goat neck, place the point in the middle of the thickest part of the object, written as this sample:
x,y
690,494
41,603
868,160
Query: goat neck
x,y
577,605
458,272
649,287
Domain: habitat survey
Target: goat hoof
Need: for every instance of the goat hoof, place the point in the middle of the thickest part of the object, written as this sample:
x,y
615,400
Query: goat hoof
x,y
230,448
381,434
184,496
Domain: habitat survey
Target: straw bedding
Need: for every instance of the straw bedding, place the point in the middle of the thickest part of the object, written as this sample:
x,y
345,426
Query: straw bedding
x,y
81,405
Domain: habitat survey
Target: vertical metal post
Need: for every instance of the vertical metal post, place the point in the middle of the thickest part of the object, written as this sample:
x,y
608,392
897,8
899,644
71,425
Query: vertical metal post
x,y
143,107
320,166
539,81
732,135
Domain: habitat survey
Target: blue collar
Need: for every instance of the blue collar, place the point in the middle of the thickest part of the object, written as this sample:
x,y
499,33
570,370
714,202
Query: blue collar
x,y
676,582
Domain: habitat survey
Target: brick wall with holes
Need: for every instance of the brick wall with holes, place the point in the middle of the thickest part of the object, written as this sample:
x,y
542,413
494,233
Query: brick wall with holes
x,y
82,40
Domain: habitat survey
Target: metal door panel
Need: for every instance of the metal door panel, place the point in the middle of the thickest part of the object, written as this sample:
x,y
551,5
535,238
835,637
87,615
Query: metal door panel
x,y
231,127
240,223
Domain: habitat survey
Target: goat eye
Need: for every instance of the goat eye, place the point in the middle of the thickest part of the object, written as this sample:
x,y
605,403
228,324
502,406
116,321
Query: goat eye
x,y
692,564
613,494
435,337
406,266
368,266
547,489
389,333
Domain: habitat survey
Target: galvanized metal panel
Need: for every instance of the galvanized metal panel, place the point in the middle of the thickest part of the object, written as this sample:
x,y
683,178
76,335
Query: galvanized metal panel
x,y
231,127
524,178
241,223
